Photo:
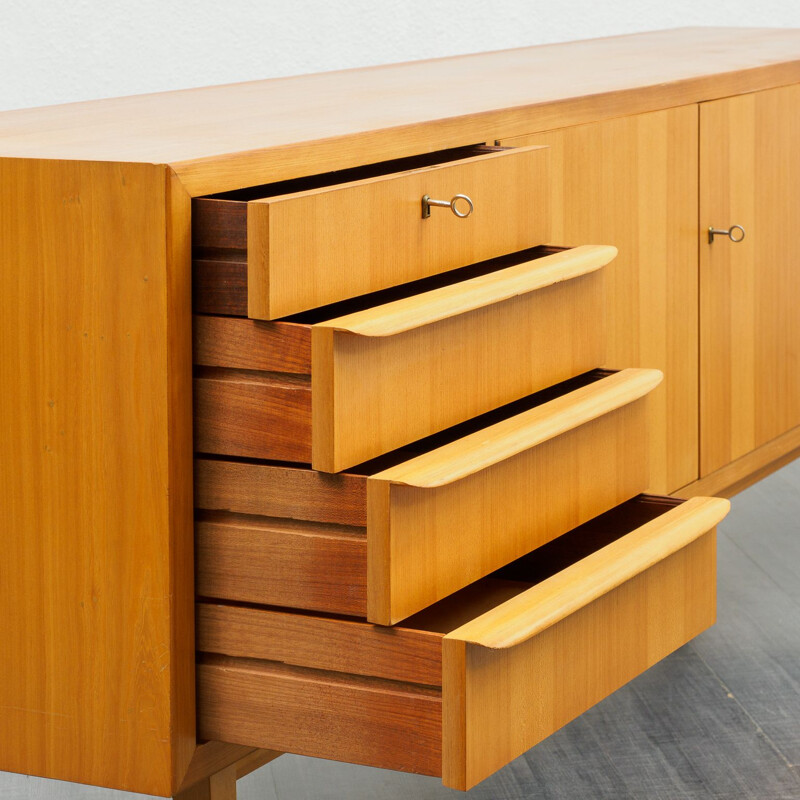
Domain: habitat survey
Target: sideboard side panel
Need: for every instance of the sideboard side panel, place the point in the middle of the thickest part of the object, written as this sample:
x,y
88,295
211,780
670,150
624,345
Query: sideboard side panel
x,y
95,475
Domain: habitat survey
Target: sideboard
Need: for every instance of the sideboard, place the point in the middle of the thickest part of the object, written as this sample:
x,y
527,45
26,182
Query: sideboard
x,y
373,415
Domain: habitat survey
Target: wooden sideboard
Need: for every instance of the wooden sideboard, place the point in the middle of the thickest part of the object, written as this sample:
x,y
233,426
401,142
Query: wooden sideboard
x,y
241,367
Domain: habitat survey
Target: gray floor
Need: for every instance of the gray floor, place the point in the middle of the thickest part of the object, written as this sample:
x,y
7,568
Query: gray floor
x,y
720,718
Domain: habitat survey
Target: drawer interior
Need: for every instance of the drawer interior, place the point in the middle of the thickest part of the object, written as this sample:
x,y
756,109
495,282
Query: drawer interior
x,y
258,374
470,329
541,564
220,280
284,346
478,423
462,429
449,278
360,173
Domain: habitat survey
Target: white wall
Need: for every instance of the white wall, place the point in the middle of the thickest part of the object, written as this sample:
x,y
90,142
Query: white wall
x,y
55,52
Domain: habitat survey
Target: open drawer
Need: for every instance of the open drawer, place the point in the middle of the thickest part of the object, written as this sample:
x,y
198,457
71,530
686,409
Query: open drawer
x,y
477,679
287,247
343,384
430,518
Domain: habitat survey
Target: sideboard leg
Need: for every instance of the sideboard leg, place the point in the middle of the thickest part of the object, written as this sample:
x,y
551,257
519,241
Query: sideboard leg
x,y
222,785
219,786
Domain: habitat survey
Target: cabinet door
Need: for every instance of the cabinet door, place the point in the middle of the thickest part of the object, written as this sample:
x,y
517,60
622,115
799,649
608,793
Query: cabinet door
x,y
750,291
632,182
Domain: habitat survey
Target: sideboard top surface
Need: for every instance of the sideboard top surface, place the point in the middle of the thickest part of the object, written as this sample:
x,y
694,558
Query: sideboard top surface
x,y
222,137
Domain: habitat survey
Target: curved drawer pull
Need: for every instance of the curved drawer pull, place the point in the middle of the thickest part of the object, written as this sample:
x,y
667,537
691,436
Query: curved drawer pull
x,y
547,603
452,204
503,440
412,312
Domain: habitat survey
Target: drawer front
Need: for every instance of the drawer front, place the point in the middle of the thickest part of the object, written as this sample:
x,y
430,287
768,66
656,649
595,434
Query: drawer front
x,y
322,714
452,515
527,668
307,249
474,681
310,249
507,488
398,371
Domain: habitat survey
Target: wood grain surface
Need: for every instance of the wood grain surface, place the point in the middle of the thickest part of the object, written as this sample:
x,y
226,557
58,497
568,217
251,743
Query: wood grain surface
x,y
275,490
644,574
632,183
553,451
392,360
219,283
546,267
124,417
545,681
721,709
551,601
498,441
252,414
308,249
429,361
251,344
576,465
96,594
749,292
348,718
749,468
282,562
355,647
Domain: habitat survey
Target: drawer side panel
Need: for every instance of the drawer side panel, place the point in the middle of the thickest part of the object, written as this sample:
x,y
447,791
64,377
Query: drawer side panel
x,y
311,712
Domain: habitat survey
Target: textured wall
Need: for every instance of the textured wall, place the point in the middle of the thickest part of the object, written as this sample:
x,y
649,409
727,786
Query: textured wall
x,y
55,52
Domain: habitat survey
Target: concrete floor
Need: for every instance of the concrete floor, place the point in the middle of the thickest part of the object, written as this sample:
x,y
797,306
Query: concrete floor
x,y
720,718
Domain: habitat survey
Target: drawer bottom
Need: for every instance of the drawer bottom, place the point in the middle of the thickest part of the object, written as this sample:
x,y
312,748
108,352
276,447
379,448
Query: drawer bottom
x,y
467,685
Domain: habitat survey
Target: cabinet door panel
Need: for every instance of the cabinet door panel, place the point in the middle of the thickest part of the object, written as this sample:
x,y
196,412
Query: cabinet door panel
x,y
632,182
749,292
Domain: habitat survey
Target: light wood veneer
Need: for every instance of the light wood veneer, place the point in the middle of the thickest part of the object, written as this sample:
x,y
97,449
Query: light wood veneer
x,y
633,182
312,248
749,292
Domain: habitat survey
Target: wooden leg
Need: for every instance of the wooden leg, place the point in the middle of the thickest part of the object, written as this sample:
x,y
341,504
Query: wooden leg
x,y
219,786
222,785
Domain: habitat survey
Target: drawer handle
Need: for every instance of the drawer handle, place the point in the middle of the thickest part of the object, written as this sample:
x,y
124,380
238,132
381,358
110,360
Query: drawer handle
x,y
415,311
427,202
549,602
505,439
712,232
